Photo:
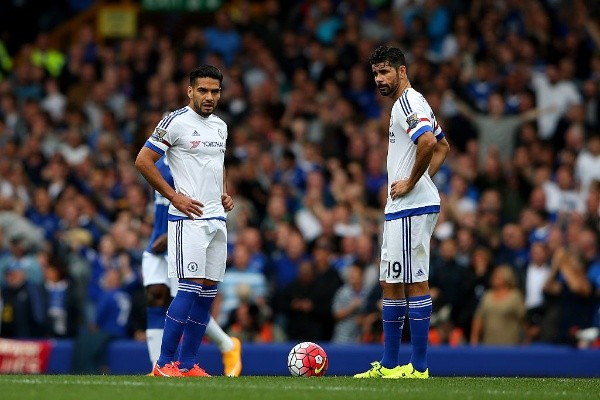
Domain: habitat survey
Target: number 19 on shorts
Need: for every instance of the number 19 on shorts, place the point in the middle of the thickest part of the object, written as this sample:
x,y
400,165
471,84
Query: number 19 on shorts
x,y
394,269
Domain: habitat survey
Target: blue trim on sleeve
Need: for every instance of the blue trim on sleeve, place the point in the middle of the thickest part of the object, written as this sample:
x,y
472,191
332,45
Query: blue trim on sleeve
x,y
174,218
421,131
412,212
155,148
440,136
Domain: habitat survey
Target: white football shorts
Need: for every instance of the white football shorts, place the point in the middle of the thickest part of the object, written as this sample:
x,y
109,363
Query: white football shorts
x,y
405,249
155,272
197,249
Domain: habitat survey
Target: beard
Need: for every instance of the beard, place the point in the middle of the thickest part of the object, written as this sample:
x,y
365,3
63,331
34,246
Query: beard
x,y
205,110
385,90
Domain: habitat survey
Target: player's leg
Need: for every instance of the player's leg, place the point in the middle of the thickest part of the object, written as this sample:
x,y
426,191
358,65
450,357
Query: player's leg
x,y
158,298
187,294
391,276
211,239
418,296
218,336
195,329
231,348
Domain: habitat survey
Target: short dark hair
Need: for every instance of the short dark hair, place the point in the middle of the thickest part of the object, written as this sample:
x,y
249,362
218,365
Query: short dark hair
x,y
206,71
392,55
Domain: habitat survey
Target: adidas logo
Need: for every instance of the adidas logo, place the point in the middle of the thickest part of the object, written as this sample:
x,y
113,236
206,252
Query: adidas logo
x,y
419,273
195,133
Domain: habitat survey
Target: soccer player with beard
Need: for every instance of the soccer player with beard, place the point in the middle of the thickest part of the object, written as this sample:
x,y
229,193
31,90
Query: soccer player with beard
x,y
417,148
193,140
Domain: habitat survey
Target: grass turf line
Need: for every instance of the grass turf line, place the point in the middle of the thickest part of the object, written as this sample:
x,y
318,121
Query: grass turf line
x,y
115,387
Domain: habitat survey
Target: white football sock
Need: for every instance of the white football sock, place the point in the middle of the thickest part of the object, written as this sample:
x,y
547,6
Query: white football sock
x,y
218,336
154,341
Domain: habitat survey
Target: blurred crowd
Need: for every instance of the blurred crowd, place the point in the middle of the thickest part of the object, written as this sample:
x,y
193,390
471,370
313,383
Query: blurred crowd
x,y
514,84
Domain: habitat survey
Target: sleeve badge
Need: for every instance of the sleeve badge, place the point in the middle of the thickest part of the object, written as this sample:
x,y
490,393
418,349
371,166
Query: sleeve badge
x,y
412,121
158,134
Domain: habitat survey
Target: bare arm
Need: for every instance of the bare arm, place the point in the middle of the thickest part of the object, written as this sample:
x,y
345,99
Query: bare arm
x,y
226,199
533,114
348,310
476,328
145,163
160,244
425,146
461,106
440,151
552,286
593,31
572,271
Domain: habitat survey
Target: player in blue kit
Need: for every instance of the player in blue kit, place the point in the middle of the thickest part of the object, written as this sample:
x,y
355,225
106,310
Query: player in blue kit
x,y
193,141
160,288
417,148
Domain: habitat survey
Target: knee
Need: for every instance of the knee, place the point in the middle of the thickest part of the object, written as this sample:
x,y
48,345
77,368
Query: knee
x,y
209,283
392,290
158,296
417,289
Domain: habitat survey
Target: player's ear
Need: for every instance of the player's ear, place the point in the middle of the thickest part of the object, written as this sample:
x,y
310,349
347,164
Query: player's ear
x,y
402,71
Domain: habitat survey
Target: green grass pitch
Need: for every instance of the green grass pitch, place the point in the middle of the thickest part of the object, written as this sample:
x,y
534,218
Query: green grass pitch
x,y
86,387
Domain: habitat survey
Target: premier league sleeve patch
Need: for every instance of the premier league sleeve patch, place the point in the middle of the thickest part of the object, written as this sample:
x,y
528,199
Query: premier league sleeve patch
x,y
412,121
158,134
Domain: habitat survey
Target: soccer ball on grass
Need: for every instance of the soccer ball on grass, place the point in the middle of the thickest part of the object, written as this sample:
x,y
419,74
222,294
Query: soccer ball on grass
x,y
307,359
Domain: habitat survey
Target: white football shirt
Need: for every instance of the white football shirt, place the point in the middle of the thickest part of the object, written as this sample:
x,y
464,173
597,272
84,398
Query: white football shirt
x,y
411,117
195,149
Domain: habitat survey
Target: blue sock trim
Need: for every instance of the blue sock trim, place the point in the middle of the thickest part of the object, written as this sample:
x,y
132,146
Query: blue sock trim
x,y
393,322
196,327
155,317
419,316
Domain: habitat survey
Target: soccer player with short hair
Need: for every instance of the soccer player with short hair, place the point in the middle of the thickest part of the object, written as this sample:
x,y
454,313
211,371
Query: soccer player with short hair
x,y
193,140
417,149
160,288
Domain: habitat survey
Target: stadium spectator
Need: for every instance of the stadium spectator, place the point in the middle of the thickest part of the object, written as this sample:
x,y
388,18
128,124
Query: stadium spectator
x,y
41,213
113,306
303,307
286,264
569,291
476,282
513,251
222,38
497,130
587,165
252,239
249,324
238,274
552,92
347,302
20,256
63,310
536,276
327,278
42,55
446,277
23,304
499,319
